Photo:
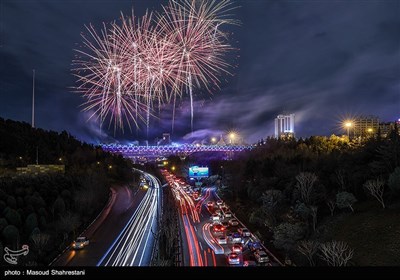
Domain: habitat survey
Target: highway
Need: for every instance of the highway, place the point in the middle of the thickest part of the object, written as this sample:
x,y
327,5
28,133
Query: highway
x,y
122,235
200,242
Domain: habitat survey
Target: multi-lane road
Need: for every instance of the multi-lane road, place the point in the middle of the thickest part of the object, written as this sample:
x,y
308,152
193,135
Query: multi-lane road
x,y
122,235
201,244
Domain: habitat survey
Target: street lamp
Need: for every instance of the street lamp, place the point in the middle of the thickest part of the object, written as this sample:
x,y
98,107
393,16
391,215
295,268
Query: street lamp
x,y
232,136
348,125
213,140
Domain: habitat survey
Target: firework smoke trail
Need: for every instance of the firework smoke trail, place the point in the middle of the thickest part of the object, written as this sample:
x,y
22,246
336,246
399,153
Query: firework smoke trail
x,y
190,85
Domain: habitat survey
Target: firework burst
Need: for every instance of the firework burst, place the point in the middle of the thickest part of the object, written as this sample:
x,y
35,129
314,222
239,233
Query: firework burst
x,y
137,64
196,43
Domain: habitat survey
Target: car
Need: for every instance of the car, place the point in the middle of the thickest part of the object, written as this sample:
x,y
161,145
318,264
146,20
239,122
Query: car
x,y
215,217
80,243
218,228
228,214
254,245
219,202
196,196
244,232
218,212
261,256
237,248
225,224
222,240
233,258
249,263
210,204
236,237
233,222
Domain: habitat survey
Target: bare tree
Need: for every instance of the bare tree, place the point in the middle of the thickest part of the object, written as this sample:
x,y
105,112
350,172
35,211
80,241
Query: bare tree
x,y
376,189
345,199
308,248
340,178
314,212
336,253
331,205
305,184
40,241
67,223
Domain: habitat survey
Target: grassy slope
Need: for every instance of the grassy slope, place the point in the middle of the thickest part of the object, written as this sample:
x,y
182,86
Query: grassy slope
x,y
372,232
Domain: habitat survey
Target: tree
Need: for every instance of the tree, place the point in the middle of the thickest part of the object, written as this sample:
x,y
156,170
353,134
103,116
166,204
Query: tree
x,y
12,202
67,223
388,154
314,212
394,181
340,178
3,223
13,217
336,253
286,235
272,200
40,241
302,210
10,234
331,205
308,248
376,189
31,222
58,207
305,184
345,199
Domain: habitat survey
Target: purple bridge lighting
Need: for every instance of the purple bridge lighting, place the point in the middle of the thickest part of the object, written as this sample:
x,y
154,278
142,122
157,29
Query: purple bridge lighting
x,y
144,153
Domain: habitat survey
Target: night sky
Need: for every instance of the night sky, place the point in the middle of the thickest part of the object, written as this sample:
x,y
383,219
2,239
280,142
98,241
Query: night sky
x,y
322,60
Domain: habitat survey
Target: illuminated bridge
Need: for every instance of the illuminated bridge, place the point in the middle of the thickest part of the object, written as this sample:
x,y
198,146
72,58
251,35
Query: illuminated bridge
x,y
143,153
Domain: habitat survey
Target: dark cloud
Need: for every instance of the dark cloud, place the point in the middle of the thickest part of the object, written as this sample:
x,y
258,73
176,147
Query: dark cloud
x,y
317,59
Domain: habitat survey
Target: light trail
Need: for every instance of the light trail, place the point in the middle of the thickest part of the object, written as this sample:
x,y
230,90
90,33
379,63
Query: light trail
x,y
134,244
187,211
208,237
214,260
199,205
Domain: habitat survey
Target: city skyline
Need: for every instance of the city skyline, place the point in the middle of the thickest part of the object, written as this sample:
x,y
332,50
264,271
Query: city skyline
x,y
319,69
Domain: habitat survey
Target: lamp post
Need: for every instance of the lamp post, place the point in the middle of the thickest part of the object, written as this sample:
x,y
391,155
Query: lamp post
x,y
232,136
213,140
348,125
370,132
